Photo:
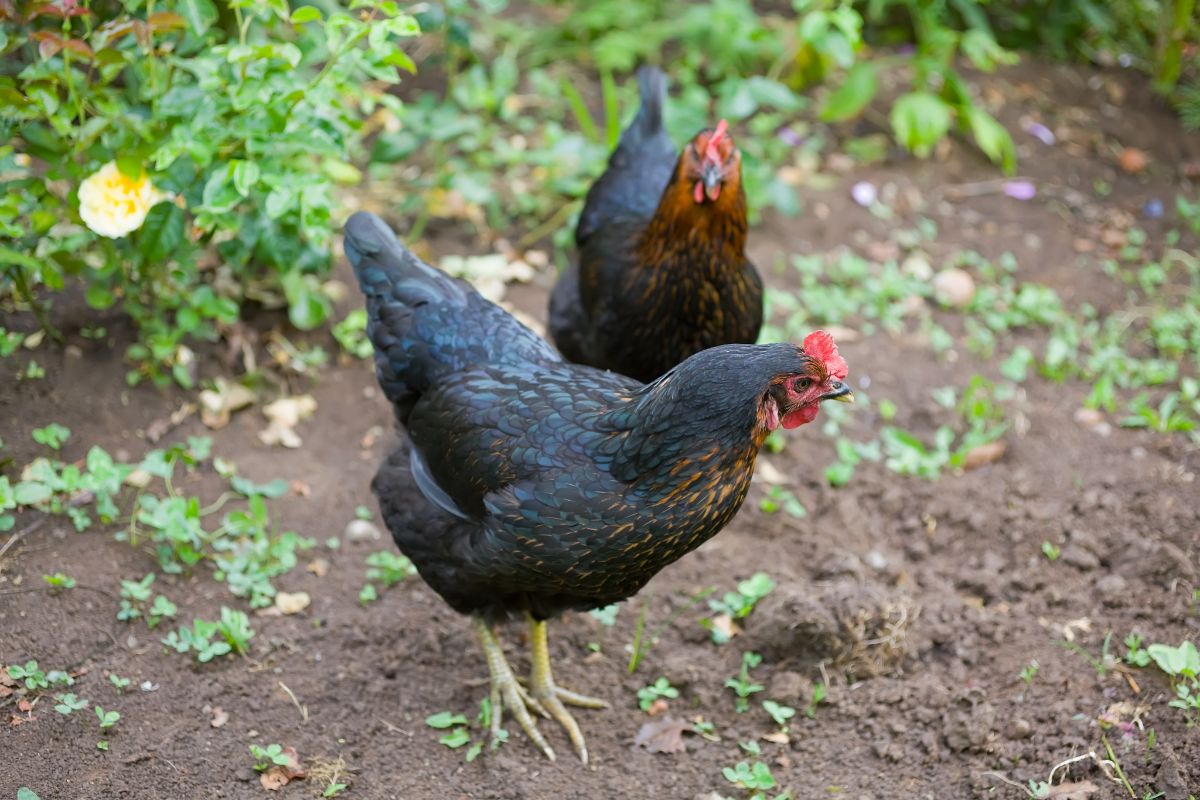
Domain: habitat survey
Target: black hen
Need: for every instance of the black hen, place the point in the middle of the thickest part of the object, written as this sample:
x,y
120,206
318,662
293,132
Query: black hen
x,y
662,270
552,486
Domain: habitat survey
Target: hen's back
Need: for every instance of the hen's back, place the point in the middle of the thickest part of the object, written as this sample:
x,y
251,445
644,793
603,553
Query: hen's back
x,y
638,169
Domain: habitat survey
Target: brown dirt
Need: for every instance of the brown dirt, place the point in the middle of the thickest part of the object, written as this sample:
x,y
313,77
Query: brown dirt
x,y
948,572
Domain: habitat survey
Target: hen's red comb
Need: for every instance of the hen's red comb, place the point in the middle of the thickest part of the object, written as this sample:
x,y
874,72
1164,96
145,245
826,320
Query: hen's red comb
x,y
711,153
820,345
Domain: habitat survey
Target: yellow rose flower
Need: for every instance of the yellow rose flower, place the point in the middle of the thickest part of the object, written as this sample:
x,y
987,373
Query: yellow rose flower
x,y
115,205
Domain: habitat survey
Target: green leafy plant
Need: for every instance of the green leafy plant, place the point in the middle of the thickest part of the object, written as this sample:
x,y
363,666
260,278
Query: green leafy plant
x,y
68,703
53,435
135,602
265,757
233,630
119,683
741,685
389,568
107,719
755,776
661,689
59,581
778,498
780,713
738,604
29,673
819,693
229,128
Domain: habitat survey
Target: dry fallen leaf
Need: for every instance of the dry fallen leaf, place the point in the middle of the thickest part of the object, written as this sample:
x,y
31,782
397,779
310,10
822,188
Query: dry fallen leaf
x,y
292,602
663,735
300,489
489,274
724,625
284,414
279,775
770,473
1073,791
371,436
219,717
217,405
775,737
318,567
984,454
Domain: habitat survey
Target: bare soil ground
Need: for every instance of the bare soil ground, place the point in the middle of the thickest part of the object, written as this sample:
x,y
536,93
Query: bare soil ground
x,y
954,566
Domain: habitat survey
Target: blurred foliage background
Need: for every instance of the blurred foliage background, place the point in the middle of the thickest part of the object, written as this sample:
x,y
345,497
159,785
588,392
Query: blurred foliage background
x,y
258,119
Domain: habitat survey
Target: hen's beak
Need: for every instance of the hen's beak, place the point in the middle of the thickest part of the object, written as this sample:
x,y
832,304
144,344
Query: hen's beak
x,y
713,176
840,392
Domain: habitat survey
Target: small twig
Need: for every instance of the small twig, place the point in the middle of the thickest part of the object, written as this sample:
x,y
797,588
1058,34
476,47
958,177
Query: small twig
x,y
392,728
302,709
16,537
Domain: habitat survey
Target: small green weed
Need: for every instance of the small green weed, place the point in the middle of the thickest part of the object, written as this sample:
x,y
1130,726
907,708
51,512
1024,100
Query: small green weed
x,y
52,436
780,713
233,630
107,719
819,693
738,604
59,581
69,703
265,757
741,685
660,689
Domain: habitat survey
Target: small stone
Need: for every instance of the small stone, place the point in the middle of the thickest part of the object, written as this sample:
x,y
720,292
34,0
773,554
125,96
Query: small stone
x,y
1019,729
1111,585
1132,160
917,265
1079,557
954,287
789,687
359,530
875,560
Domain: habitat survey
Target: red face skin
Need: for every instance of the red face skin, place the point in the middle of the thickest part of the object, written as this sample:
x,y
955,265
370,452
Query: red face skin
x,y
711,161
793,400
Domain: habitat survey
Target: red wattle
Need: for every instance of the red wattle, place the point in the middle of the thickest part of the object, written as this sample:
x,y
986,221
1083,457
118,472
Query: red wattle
x,y
801,416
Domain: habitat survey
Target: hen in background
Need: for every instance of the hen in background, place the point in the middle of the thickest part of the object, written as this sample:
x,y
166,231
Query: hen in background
x,y
531,486
662,271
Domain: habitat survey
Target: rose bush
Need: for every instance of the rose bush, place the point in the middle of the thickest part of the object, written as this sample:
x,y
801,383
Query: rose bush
x,y
248,114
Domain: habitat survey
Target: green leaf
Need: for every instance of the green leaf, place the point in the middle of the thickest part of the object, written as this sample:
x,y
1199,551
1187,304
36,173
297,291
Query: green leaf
x,y
857,90
920,120
307,306
161,233
993,139
25,793
1175,661
200,14
28,493
456,738
305,14
445,719
245,176
276,488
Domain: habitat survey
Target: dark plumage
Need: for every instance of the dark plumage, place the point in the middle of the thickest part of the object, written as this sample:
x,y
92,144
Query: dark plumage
x,y
554,486
662,271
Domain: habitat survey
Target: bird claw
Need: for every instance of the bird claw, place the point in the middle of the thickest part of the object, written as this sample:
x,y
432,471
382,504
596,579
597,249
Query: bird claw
x,y
507,693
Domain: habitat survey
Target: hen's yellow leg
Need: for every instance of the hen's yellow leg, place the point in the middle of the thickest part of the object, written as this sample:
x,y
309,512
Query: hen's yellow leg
x,y
506,692
550,696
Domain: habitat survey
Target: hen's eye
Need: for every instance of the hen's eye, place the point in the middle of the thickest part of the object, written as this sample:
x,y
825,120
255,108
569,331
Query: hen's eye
x,y
802,384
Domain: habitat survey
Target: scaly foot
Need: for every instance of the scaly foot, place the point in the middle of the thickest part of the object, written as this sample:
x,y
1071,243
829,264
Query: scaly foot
x,y
550,697
506,692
